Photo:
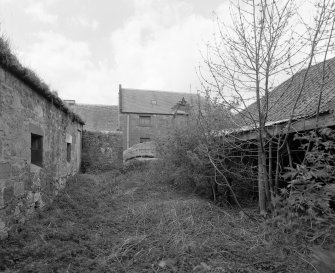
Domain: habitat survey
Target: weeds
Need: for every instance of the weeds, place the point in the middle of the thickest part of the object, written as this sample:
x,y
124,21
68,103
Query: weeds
x,y
134,223
303,218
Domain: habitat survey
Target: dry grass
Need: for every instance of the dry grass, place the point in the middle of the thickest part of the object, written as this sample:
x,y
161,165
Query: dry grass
x,y
131,223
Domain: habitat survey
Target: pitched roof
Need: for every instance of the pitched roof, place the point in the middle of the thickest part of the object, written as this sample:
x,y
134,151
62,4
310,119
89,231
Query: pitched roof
x,y
97,117
151,102
283,97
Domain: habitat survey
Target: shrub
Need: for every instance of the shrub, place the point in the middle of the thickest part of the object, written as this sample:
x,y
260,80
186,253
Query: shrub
x,y
304,213
180,159
196,157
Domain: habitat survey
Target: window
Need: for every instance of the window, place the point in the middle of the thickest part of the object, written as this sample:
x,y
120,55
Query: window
x,y
36,150
68,152
154,102
144,139
145,121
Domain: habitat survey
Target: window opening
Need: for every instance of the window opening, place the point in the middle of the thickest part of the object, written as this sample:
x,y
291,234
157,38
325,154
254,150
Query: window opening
x,y
144,139
145,120
68,152
36,150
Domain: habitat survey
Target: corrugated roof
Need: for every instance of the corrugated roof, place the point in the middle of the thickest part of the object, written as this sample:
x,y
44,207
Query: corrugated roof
x,y
283,97
97,117
152,102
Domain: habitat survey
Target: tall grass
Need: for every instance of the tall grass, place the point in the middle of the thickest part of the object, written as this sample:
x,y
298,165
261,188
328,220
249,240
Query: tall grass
x,y
135,223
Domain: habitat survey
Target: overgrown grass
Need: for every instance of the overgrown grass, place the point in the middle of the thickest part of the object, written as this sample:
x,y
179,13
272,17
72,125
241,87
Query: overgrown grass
x,y
134,223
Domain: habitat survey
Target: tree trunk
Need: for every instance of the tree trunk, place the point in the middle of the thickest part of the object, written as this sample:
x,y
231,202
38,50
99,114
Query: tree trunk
x,y
270,169
262,180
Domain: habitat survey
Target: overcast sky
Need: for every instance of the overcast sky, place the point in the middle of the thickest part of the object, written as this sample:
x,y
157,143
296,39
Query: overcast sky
x,y
85,48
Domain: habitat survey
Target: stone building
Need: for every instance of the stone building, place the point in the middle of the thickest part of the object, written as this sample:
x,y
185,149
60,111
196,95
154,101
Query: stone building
x,y
146,114
102,142
101,118
40,142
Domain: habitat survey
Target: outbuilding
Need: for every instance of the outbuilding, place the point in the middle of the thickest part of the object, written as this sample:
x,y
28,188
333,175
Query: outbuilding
x,y
40,141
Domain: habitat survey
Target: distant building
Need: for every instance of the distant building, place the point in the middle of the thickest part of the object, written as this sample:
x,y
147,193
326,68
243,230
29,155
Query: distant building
x,y
101,118
147,114
102,140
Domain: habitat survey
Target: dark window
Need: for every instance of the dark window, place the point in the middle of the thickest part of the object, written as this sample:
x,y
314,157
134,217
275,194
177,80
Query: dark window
x,y
144,139
68,152
145,120
36,150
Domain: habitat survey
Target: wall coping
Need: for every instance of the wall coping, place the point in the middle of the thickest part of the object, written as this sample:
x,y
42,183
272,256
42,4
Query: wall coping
x,y
10,63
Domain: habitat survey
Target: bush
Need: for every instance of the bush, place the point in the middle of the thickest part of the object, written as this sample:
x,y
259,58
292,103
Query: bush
x,y
304,213
180,159
195,157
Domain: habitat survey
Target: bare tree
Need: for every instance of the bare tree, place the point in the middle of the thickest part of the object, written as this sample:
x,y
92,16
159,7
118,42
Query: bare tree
x,y
249,57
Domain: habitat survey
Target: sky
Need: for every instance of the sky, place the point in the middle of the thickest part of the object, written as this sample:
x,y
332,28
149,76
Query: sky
x,y
84,49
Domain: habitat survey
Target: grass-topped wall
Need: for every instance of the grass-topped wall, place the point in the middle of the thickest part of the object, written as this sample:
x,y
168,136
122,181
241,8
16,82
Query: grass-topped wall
x,y
10,63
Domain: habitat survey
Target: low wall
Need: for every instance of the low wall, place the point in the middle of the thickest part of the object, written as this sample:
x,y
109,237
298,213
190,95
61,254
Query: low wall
x,y
102,151
141,150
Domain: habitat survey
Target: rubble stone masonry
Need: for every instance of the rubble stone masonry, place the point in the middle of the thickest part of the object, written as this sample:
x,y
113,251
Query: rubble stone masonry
x,y
27,119
102,151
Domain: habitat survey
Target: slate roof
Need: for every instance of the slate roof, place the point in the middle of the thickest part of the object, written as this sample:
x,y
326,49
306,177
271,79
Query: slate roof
x,y
282,98
151,102
98,117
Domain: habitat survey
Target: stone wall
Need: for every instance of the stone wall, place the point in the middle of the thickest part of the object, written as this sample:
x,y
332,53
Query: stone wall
x,y
102,151
160,125
24,114
145,150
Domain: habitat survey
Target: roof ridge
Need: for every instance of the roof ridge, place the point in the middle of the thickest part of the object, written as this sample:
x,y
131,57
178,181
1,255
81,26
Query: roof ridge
x,y
158,91
88,104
